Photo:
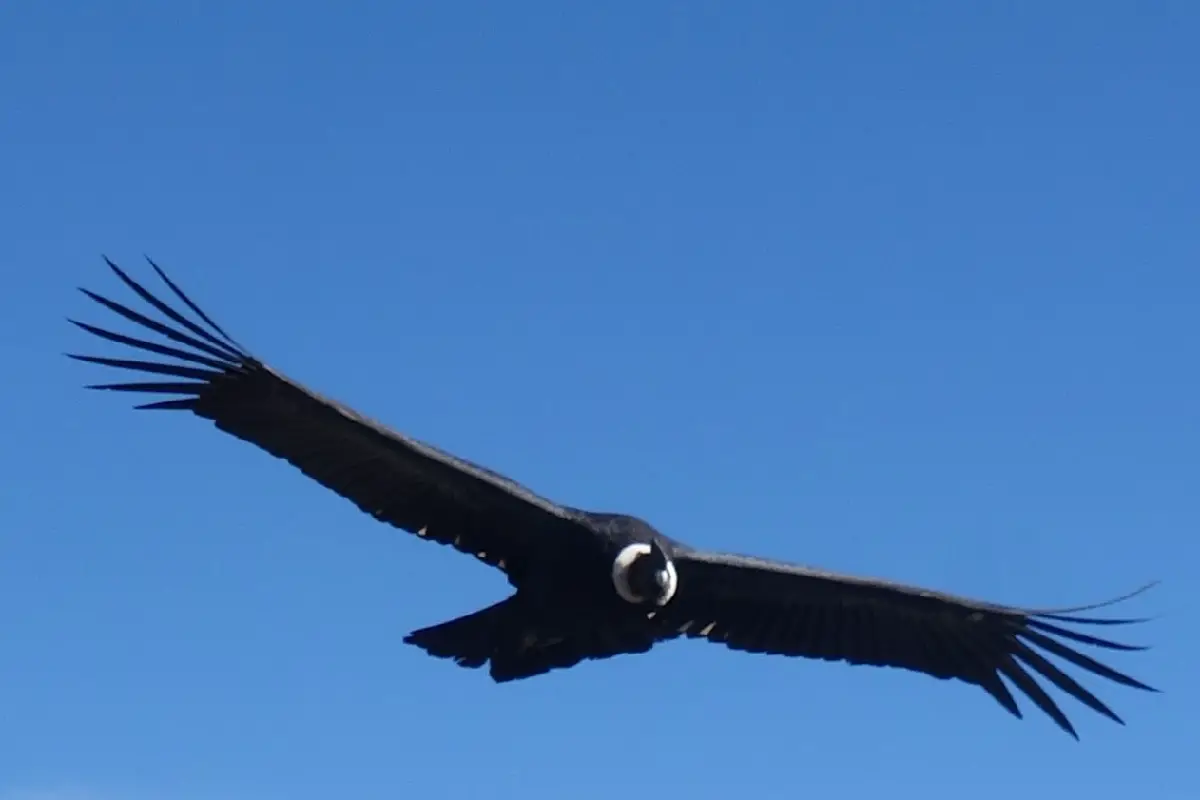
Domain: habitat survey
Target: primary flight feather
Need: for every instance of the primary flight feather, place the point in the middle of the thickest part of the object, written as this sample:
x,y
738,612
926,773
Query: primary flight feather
x,y
590,585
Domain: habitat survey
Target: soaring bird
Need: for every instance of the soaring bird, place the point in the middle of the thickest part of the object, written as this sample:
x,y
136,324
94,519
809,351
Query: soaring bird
x,y
590,585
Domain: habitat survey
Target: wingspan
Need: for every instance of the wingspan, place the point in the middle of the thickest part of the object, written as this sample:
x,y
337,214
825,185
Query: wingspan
x,y
763,606
397,479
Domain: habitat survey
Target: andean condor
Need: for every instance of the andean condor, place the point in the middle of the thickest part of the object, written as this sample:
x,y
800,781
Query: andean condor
x,y
591,585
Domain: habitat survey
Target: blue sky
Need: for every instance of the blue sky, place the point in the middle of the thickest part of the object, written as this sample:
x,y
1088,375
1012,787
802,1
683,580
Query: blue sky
x,y
896,290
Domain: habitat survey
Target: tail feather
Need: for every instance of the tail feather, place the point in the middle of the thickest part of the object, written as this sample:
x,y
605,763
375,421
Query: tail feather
x,y
469,640
518,645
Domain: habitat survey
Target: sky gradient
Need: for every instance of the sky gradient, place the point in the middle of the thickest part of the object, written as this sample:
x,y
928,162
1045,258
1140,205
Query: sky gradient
x,y
902,291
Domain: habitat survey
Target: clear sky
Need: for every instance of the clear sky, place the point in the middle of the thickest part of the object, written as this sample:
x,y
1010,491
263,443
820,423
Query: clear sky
x,y
906,290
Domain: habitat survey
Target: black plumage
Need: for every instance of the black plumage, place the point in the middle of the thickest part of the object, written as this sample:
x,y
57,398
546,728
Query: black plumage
x,y
590,585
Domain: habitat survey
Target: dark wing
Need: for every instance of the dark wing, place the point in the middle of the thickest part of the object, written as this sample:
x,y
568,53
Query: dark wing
x,y
763,606
397,479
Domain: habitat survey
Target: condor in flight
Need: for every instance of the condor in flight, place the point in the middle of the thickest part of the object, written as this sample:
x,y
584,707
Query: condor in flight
x,y
590,585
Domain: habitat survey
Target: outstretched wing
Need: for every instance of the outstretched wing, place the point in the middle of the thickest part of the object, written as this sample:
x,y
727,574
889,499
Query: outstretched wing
x,y
397,479
762,606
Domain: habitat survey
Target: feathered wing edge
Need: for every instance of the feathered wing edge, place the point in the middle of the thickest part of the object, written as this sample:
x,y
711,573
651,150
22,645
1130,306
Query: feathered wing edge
x,y
1044,629
214,353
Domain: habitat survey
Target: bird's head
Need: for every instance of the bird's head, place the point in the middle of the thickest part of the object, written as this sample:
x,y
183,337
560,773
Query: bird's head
x,y
643,573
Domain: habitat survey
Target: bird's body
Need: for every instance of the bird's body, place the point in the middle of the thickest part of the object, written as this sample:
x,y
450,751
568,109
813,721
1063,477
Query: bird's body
x,y
590,585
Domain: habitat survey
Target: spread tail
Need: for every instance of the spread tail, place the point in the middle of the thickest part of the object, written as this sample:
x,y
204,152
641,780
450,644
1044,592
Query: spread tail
x,y
469,640
517,644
